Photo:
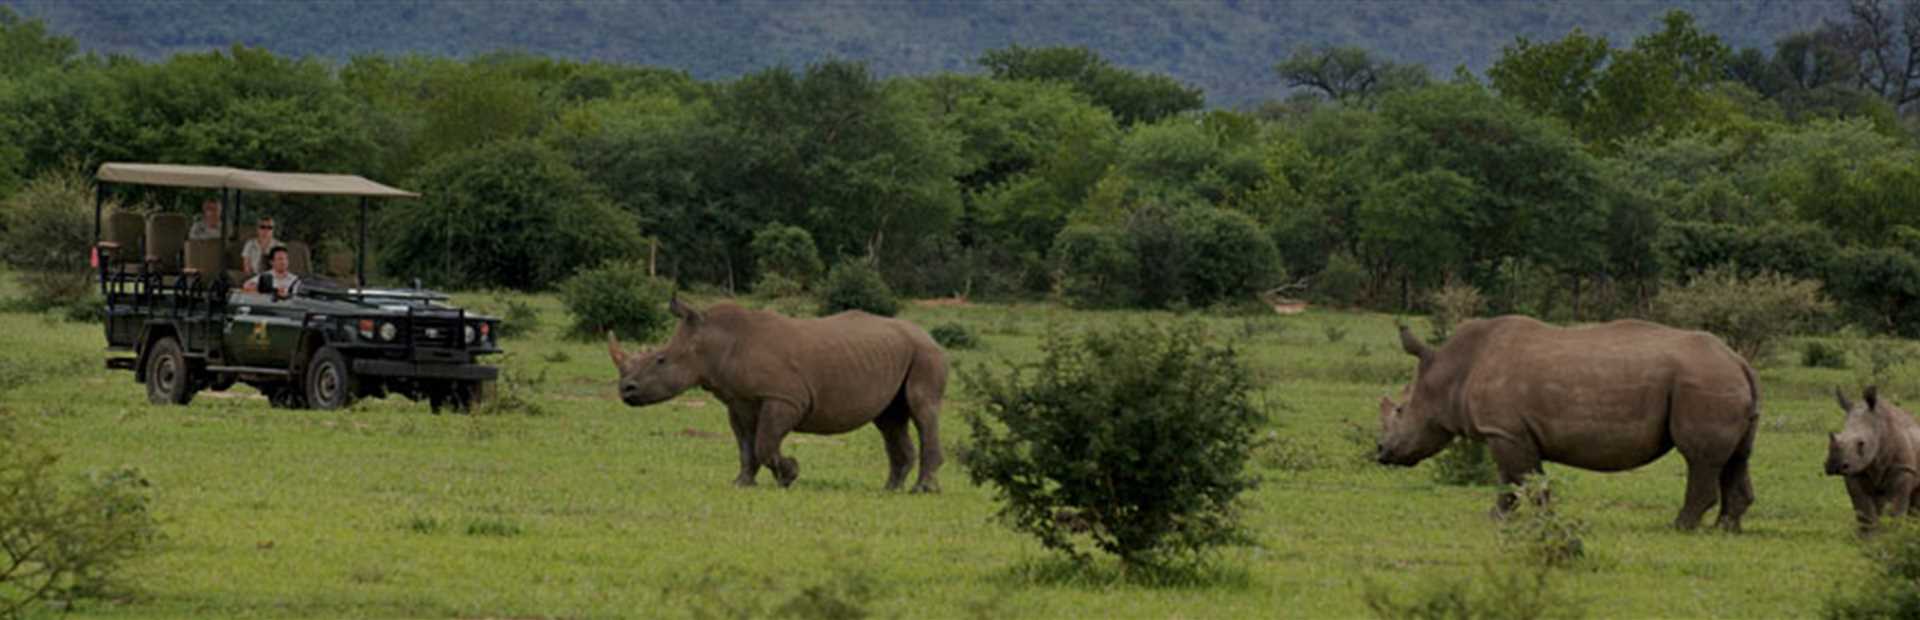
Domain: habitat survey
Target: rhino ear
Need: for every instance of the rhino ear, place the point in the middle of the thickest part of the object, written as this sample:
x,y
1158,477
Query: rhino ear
x,y
1413,345
684,311
1846,406
1873,397
613,349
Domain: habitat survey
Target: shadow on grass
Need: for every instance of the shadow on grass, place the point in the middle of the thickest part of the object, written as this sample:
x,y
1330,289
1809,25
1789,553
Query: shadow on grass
x,y
1100,574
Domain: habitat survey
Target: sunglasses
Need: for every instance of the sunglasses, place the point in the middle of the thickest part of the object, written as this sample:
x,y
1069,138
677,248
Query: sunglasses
x,y
266,227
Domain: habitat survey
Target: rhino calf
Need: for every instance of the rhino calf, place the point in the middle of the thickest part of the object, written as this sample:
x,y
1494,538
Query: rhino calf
x,y
1878,452
776,375
1607,397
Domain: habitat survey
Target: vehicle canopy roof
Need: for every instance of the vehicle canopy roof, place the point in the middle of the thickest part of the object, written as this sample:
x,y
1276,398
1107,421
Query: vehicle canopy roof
x,y
221,177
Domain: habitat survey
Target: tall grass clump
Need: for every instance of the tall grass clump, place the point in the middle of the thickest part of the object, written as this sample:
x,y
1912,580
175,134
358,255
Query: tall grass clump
x,y
617,296
61,540
46,230
1892,588
1133,441
1750,313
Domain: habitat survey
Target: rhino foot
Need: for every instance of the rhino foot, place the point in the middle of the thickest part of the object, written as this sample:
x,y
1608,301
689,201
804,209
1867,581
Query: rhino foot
x,y
744,480
788,471
926,486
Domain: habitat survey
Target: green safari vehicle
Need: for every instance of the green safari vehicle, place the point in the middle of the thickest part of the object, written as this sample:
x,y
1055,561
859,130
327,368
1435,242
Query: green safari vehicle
x,y
178,317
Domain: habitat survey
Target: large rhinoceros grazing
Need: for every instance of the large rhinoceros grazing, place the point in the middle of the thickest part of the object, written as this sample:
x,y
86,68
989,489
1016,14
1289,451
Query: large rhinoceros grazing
x,y
1879,454
1607,397
776,374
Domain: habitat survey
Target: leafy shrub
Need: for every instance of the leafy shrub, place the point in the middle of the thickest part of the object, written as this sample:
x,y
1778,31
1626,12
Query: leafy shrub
x,y
65,542
1334,333
1882,355
1817,354
1228,256
954,336
1512,593
1452,305
1750,313
856,285
1465,462
619,296
1536,532
46,230
511,213
1095,265
786,252
1894,552
775,286
1342,282
1136,438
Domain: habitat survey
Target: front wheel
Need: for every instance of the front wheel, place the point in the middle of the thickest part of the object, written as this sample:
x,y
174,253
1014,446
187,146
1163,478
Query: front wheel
x,y
330,381
169,378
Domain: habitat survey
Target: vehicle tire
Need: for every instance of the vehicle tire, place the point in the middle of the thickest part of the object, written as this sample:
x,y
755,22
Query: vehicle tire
x,y
330,382
170,379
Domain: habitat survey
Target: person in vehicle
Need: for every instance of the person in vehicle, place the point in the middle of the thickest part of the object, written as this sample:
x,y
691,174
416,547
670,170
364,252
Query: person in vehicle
x,y
208,226
278,280
253,257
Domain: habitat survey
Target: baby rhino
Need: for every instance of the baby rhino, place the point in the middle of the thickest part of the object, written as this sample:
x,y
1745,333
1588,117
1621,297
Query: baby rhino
x,y
1878,452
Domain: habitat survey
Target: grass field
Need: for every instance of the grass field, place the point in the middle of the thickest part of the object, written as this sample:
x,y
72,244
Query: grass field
x,y
586,508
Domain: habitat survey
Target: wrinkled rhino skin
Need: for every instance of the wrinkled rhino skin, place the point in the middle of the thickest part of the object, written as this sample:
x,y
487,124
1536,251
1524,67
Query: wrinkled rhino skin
x,y
1607,397
1878,454
777,375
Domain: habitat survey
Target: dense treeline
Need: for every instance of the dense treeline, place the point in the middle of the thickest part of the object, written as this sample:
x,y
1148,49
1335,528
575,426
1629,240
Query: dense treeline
x,y
1577,178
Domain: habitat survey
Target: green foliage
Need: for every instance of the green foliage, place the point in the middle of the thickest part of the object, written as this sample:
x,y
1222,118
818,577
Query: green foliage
x,y
1556,78
511,214
1342,282
1749,313
786,252
1347,74
65,541
1135,438
1465,462
856,285
46,230
1890,591
1513,593
1879,287
1535,531
1228,256
617,296
1095,265
954,336
1819,354
1133,97
1452,305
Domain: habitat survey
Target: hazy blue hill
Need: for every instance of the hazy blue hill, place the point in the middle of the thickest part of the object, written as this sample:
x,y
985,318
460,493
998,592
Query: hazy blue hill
x,y
1227,47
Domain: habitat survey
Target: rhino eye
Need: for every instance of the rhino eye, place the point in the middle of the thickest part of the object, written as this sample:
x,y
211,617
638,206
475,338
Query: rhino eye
x,y
659,360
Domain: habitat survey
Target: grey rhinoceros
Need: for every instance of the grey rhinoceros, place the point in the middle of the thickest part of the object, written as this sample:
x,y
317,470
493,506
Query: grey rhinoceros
x,y
1878,453
1607,397
777,374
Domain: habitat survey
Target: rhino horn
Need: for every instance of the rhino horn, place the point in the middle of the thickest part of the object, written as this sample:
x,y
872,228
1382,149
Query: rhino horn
x,y
613,349
1413,345
1845,405
1873,397
1386,406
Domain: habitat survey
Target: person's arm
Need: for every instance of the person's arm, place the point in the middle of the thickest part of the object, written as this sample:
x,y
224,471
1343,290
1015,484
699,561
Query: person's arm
x,y
252,285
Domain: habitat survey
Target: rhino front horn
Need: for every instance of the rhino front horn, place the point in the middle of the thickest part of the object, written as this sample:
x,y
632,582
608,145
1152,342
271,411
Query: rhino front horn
x,y
613,349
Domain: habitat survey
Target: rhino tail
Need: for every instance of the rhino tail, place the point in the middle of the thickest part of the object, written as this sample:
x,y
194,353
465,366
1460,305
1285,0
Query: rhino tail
x,y
1753,392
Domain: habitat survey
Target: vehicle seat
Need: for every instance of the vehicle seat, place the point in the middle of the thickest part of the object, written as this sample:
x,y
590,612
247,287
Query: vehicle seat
x,y
340,265
203,257
299,258
124,232
166,239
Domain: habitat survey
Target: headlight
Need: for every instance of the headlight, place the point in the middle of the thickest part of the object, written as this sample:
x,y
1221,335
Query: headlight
x,y
388,332
471,334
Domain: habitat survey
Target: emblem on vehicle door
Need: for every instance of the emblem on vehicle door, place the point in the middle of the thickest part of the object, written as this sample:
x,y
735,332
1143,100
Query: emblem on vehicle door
x,y
260,338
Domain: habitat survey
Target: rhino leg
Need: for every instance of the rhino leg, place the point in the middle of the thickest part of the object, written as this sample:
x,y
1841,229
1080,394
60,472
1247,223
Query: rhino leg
x,y
925,411
893,431
775,421
1703,491
1516,460
742,421
1902,485
1736,488
1866,507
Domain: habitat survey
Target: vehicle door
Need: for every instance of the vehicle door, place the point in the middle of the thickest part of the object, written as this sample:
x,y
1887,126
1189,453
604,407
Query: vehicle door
x,y
262,332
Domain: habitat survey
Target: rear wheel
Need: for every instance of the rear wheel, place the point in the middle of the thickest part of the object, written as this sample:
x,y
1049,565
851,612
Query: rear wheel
x,y
330,381
169,378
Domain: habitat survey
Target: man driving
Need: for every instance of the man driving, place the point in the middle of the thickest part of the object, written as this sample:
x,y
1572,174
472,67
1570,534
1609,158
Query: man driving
x,y
279,281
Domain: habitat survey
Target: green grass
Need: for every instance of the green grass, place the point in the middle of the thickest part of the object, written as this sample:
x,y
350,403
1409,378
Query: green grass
x,y
595,510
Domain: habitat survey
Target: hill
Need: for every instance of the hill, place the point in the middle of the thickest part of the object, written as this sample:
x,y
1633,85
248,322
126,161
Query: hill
x,y
1226,47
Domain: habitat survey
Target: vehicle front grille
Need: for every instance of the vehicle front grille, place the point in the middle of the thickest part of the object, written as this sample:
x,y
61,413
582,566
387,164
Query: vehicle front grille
x,y
436,333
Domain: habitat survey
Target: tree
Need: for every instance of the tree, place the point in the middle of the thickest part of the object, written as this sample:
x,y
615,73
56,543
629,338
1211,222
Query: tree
x,y
1658,84
1133,97
1557,79
27,46
1347,74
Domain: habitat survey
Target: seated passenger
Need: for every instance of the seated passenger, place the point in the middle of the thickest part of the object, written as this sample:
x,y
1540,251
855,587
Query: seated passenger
x,y
277,281
208,226
253,258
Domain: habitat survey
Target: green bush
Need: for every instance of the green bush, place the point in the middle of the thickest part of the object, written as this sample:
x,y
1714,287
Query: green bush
x,y
786,252
1749,313
1465,462
1135,440
856,285
1341,283
775,286
512,214
954,336
1817,354
46,230
63,542
1535,531
1452,305
1228,255
1095,265
1891,591
617,296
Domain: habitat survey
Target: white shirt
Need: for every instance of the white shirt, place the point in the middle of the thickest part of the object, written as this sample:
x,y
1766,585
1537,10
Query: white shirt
x,y
251,255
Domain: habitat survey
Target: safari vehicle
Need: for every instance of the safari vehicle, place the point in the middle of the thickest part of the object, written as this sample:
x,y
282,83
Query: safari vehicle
x,y
177,305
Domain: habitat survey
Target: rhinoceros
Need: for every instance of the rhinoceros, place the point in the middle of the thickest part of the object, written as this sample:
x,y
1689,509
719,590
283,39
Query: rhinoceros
x,y
1879,454
776,374
1607,397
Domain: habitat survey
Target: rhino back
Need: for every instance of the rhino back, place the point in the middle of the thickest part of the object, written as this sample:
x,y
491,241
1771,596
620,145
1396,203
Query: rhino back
x,y
841,370
1606,397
